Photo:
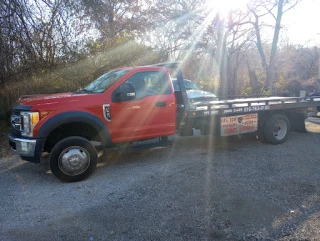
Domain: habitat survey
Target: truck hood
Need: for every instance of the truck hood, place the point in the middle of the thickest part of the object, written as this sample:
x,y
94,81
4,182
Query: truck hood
x,y
34,100
199,94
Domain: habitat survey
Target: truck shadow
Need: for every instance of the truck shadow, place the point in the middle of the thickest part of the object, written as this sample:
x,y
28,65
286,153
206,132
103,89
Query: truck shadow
x,y
201,145
114,158
187,147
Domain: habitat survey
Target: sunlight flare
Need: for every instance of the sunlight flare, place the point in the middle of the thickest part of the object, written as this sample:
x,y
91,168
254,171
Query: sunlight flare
x,y
224,7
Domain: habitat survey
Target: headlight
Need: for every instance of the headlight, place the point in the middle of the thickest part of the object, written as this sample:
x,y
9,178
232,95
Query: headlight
x,y
192,105
196,105
30,119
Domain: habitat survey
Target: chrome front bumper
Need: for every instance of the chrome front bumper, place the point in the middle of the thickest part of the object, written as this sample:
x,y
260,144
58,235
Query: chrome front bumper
x,y
23,147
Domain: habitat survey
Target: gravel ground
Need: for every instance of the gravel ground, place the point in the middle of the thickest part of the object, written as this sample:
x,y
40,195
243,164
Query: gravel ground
x,y
197,189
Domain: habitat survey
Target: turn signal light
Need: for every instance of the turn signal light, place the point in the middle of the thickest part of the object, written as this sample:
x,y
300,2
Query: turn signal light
x,y
34,118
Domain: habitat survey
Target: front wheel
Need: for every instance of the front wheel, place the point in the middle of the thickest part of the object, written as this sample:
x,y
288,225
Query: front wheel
x,y
276,129
73,159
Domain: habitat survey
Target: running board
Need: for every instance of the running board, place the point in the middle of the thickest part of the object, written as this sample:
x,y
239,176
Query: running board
x,y
141,146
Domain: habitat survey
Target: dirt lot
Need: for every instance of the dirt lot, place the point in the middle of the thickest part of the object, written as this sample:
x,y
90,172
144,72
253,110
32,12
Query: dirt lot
x,y
197,189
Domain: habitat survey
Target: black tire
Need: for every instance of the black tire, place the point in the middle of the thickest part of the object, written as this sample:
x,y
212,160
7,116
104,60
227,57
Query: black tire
x,y
74,153
276,129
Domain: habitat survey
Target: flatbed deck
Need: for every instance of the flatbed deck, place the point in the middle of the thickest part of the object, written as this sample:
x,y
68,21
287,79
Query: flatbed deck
x,y
252,105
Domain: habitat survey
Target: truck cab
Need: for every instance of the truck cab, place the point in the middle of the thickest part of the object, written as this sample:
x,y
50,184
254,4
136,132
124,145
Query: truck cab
x,y
123,105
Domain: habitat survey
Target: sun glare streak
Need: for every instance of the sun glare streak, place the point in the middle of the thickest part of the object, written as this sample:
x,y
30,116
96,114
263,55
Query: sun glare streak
x,y
224,7
197,35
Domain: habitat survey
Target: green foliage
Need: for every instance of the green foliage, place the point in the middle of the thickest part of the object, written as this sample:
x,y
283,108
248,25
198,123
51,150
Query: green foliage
x,y
246,91
265,91
281,85
210,84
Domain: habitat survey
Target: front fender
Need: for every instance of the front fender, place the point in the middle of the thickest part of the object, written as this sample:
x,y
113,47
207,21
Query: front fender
x,y
77,116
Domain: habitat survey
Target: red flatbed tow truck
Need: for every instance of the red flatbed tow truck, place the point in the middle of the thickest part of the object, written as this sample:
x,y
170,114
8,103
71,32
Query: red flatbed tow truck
x,y
132,104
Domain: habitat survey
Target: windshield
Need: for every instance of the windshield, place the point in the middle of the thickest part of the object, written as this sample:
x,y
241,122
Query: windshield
x,y
105,81
187,83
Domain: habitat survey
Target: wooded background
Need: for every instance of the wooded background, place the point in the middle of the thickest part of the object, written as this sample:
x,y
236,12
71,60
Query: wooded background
x,y
48,46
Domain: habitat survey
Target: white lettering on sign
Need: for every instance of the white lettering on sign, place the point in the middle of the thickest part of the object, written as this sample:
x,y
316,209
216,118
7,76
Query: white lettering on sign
x,y
214,112
237,110
256,108
227,111
234,125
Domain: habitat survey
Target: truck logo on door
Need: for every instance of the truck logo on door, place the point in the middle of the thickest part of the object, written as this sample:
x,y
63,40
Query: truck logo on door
x,y
106,112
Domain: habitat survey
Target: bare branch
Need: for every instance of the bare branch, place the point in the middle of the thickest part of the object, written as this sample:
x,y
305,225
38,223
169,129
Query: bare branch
x,y
292,6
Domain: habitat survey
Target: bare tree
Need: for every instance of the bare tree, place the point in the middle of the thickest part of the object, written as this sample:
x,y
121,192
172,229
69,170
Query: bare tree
x,y
114,17
276,9
36,34
175,26
15,40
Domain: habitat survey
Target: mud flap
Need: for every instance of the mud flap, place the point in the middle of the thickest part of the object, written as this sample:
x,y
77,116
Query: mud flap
x,y
297,121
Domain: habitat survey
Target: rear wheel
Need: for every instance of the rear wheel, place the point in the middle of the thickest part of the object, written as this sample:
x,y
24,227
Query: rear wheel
x,y
276,129
73,159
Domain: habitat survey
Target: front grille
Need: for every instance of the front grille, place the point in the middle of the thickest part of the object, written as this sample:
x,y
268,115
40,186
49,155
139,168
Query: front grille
x,y
16,132
16,122
16,112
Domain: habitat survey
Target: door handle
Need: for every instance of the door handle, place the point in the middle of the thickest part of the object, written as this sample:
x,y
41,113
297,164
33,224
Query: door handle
x,y
161,104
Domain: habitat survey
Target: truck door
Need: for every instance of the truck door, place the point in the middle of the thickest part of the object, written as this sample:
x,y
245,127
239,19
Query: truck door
x,y
150,114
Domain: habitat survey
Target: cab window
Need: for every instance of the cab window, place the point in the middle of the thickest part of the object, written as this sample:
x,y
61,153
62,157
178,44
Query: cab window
x,y
150,83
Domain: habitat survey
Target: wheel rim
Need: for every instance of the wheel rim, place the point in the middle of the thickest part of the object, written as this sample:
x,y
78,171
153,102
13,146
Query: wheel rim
x,y
74,160
280,129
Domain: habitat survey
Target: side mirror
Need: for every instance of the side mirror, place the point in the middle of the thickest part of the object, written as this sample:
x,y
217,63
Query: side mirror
x,y
125,92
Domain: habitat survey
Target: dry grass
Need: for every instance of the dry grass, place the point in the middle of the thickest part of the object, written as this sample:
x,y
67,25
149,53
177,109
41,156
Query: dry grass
x,y
75,76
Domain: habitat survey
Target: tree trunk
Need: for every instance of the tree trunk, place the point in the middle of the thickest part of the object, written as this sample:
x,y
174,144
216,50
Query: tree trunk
x,y
223,63
224,80
269,67
2,59
253,80
274,47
